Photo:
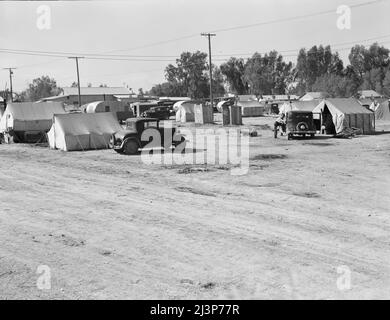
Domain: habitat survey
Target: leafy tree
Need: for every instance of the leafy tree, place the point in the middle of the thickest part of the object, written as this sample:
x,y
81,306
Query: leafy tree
x,y
335,85
234,70
386,83
267,74
218,82
315,63
165,89
41,88
189,76
369,66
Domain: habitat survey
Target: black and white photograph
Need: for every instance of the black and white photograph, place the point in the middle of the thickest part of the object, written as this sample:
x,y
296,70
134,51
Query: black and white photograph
x,y
195,150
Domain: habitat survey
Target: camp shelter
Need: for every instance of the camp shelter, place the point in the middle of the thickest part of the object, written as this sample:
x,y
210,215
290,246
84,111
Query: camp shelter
x,y
381,110
190,103
29,117
122,110
82,131
317,95
250,106
186,112
340,113
203,113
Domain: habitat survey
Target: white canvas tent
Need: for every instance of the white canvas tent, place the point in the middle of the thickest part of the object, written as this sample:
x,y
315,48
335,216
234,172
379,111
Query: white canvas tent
x,y
382,110
340,113
186,112
313,96
123,110
82,131
30,116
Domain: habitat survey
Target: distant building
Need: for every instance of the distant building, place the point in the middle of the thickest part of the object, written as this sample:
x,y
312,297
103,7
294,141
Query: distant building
x,y
69,95
370,94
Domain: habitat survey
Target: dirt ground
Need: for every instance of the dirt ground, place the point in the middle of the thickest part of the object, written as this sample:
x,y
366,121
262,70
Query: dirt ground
x,y
111,227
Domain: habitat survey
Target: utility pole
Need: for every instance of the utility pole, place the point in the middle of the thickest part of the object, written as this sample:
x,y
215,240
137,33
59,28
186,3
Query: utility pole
x,y
10,79
78,76
209,35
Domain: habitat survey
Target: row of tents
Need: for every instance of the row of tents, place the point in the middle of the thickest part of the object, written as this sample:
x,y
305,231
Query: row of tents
x,y
65,131
336,114
93,129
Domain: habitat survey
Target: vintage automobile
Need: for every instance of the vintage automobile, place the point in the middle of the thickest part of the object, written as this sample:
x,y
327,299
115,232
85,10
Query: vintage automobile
x,y
128,141
300,123
160,112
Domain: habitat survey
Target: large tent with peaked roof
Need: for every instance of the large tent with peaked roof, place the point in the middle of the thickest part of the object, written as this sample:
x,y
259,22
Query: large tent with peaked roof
x,y
30,116
341,113
313,96
82,131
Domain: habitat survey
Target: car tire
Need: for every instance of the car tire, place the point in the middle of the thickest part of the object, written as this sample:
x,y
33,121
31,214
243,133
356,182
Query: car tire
x,y
130,147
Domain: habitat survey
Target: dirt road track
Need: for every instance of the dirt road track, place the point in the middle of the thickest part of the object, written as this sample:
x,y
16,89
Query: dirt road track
x,y
109,226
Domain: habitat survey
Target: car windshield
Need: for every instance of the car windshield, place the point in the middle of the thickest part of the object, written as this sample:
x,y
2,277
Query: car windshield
x,y
130,125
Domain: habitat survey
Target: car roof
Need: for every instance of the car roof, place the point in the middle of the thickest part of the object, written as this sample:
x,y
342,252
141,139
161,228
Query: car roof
x,y
139,119
299,111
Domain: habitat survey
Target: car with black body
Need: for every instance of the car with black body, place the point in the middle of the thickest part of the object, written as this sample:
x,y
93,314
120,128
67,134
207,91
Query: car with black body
x,y
300,123
160,112
133,136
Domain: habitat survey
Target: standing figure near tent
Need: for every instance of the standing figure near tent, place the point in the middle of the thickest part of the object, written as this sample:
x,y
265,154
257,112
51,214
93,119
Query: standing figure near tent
x,y
280,122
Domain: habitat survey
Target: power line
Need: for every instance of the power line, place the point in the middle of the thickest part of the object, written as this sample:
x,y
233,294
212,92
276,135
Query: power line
x,y
66,54
257,24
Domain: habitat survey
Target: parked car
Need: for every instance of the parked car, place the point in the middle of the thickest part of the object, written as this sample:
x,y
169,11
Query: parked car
x,y
300,123
128,141
161,113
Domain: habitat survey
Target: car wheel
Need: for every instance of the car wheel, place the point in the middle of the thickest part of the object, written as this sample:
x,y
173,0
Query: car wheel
x,y
130,147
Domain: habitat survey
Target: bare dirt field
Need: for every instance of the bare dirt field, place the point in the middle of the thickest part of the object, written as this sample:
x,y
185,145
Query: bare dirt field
x,y
111,227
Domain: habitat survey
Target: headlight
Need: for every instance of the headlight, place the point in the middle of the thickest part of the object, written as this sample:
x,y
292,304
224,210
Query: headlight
x,y
112,141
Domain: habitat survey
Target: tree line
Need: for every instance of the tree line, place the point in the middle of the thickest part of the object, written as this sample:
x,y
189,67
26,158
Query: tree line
x,y
316,69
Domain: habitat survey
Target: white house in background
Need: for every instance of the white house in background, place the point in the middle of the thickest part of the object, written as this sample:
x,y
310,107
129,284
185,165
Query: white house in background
x,y
70,95
363,94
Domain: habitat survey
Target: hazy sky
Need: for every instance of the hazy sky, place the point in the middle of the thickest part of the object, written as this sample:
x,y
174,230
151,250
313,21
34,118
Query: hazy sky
x,y
129,27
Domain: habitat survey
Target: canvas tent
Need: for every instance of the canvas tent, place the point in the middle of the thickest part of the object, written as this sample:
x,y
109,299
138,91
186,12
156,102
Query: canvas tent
x,y
29,116
121,109
186,112
313,96
250,106
381,109
340,113
82,131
